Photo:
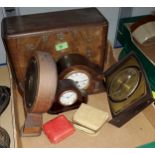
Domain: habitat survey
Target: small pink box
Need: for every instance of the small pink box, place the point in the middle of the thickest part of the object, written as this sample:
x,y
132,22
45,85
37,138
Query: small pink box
x,y
58,129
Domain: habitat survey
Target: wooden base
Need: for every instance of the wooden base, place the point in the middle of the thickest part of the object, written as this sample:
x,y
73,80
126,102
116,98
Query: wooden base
x,y
32,125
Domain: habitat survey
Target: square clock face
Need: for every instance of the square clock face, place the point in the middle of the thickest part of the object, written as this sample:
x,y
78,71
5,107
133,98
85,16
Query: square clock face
x,y
127,89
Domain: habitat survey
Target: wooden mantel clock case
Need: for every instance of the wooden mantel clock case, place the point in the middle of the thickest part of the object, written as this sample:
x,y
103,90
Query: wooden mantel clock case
x,y
82,31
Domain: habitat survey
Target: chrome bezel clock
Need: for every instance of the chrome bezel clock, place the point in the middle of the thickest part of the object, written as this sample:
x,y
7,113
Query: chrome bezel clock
x,y
80,77
68,97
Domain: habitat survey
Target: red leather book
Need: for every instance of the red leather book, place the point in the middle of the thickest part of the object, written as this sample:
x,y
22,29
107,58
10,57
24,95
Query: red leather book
x,y
58,129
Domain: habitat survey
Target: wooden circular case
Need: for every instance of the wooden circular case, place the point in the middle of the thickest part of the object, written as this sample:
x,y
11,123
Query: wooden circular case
x,y
39,93
76,62
45,80
63,86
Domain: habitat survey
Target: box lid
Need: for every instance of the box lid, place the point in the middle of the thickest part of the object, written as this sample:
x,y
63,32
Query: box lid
x,y
46,21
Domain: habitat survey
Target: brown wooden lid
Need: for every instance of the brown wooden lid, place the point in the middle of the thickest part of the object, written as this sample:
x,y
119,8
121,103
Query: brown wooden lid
x,y
46,21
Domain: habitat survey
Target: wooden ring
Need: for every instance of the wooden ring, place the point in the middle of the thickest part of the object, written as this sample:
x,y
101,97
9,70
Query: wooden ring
x,y
40,83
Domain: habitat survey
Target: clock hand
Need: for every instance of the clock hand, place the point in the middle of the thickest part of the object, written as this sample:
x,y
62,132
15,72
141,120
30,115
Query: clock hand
x,y
117,92
126,81
70,96
121,85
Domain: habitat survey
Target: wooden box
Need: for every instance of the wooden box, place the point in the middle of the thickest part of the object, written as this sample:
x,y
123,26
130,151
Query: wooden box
x,y
81,31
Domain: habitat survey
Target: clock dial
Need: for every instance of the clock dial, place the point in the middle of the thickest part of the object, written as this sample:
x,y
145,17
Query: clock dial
x,y
124,84
86,75
80,78
68,98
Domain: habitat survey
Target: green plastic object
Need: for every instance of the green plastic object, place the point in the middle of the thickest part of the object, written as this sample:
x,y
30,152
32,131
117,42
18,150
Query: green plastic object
x,y
153,93
148,145
61,46
124,37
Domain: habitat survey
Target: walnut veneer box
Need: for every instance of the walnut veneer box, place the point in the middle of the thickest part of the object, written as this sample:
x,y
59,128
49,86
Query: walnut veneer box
x,y
81,31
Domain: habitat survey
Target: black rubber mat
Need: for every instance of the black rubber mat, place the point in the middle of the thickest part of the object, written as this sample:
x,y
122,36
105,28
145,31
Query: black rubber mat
x,y
4,98
4,102
4,138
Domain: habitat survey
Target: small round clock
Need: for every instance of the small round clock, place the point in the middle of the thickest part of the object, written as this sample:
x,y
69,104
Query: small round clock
x,y
68,97
81,78
84,73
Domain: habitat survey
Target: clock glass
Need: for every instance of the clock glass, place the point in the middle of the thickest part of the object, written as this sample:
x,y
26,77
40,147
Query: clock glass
x,y
124,84
68,98
31,83
80,78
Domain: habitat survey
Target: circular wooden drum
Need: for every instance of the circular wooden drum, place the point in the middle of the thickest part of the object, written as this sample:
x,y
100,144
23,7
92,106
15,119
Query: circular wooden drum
x,y
41,83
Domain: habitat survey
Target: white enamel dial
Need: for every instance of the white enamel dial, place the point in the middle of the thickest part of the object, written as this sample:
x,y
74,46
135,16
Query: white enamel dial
x,y
68,98
81,79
